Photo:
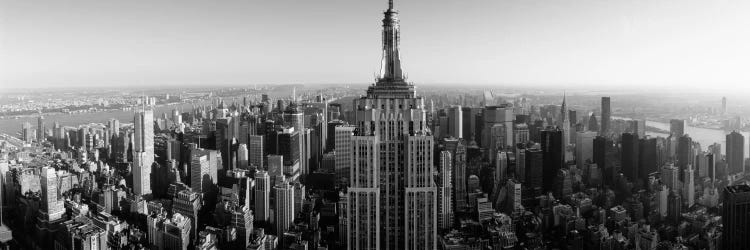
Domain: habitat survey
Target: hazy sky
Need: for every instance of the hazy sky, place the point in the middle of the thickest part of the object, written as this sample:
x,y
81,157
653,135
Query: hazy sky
x,y
535,42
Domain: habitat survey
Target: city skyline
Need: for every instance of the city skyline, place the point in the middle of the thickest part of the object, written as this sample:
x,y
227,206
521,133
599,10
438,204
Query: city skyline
x,y
395,164
602,44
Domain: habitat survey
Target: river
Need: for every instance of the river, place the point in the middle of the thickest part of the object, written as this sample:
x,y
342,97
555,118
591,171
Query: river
x,y
12,126
704,136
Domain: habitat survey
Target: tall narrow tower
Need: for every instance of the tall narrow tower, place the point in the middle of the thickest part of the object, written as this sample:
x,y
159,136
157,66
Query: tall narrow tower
x,y
143,155
392,136
565,123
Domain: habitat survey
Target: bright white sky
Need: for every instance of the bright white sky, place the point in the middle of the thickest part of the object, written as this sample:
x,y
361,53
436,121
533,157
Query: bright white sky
x,y
608,43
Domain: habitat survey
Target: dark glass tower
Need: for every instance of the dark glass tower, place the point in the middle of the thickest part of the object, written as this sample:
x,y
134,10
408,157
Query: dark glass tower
x,y
736,217
629,156
552,149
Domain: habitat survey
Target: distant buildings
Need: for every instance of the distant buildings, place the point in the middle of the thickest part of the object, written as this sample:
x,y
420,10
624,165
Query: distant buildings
x,y
606,116
735,152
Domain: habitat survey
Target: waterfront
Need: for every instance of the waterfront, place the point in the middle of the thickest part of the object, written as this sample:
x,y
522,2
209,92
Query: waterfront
x,y
704,136
12,126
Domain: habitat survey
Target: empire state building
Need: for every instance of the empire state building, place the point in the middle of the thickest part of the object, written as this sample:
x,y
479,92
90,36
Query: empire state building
x,y
392,196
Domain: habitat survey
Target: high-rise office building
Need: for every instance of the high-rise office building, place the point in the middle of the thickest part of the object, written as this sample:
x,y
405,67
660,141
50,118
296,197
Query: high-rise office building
x,y
242,156
342,141
469,122
677,127
497,115
455,121
629,156
670,176
331,140
520,133
593,125
724,105
445,198
405,155
688,189
734,217
647,157
534,171
283,209
564,124
602,146
114,126
40,129
457,148
674,206
711,166
255,152
606,117
638,127
262,196
514,196
143,150
52,205
364,225
188,203
685,152
735,152
552,149
204,172
501,174
420,194
584,148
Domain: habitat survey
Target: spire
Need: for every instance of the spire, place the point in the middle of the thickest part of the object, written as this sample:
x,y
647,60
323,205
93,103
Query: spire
x,y
564,112
390,66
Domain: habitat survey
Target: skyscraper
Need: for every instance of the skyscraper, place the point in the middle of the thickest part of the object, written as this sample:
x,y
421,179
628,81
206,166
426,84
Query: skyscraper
x,y
724,105
584,148
255,151
420,194
501,170
393,114
342,144
735,148
283,209
638,127
262,196
455,121
606,116
52,205
629,156
593,125
40,129
564,124
458,153
364,225
602,145
552,149
534,171
242,156
685,152
647,157
445,198
688,189
204,172
143,150
503,117
735,217
677,127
